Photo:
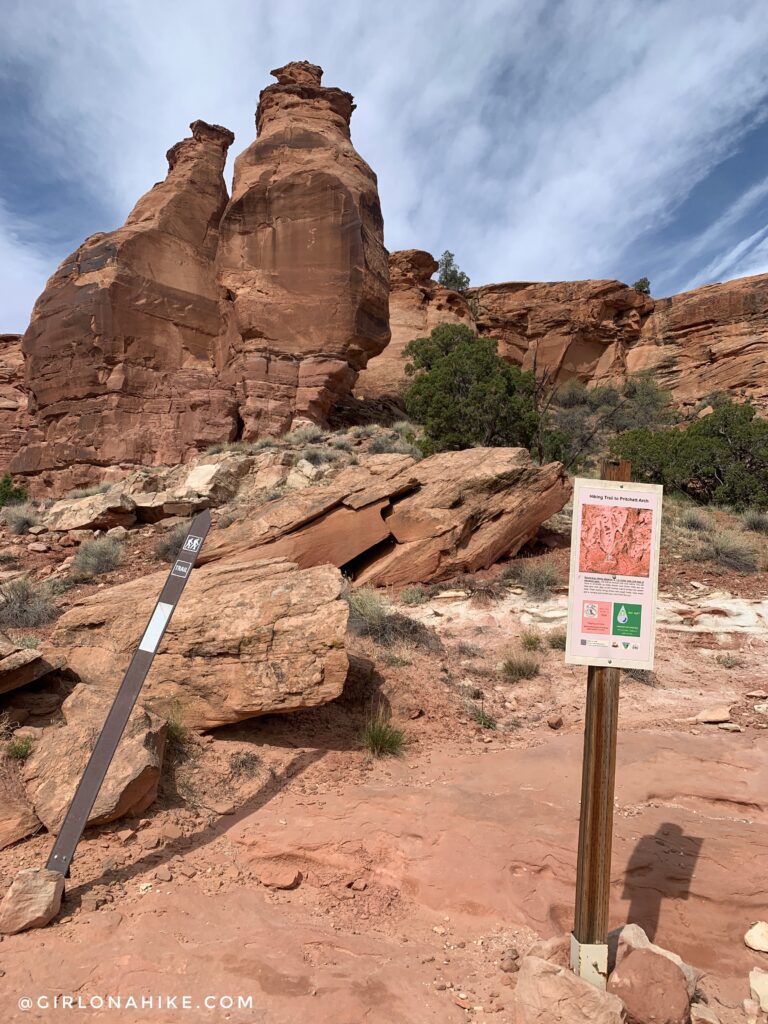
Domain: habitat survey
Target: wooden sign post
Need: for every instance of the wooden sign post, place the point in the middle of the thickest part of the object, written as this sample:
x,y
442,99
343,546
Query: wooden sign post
x,y
611,624
88,788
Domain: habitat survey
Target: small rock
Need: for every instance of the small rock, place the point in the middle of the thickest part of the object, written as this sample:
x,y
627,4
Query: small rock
x,y
163,873
149,840
90,903
38,547
171,831
703,1014
762,708
118,532
439,930
555,721
279,876
757,937
758,986
758,694
751,1010
28,732
714,715
32,901
36,531
651,987
359,885
730,727
509,966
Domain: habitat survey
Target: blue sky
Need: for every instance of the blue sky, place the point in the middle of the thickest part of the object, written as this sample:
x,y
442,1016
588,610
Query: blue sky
x,y
546,140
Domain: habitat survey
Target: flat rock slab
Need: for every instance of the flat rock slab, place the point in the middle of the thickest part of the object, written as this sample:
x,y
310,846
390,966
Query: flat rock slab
x,y
32,901
757,937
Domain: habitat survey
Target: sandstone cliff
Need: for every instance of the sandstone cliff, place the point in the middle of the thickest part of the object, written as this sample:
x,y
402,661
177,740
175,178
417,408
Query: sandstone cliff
x,y
417,303
710,339
203,320
301,258
119,364
13,398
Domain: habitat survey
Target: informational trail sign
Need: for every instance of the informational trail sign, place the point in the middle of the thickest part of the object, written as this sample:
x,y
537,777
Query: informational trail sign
x,y
114,725
614,574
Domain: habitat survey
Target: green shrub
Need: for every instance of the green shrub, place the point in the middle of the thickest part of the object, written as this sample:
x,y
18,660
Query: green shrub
x,y
721,457
370,615
693,519
380,737
19,749
413,595
485,590
319,456
556,640
729,660
465,395
467,650
87,492
643,285
481,716
449,275
25,604
641,675
310,433
531,640
729,550
10,495
383,445
168,546
19,518
30,643
755,521
539,578
244,762
520,666
96,557
341,444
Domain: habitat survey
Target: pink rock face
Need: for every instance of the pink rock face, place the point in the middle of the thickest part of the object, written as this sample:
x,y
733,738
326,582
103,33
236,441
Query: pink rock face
x,y
616,541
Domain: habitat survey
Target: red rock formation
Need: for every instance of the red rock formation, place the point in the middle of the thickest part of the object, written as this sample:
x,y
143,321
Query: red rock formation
x,y
301,258
711,339
416,305
119,351
13,398
571,328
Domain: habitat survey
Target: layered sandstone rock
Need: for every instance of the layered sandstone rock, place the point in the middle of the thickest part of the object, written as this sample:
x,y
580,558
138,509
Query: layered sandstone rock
x,y
567,328
249,638
707,340
417,304
392,521
301,258
13,398
119,352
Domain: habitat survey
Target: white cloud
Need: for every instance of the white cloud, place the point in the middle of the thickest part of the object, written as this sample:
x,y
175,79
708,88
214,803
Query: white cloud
x,y
536,140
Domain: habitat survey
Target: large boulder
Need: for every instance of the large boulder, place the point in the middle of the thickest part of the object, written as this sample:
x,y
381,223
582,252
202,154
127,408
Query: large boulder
x,y
548,993
120,349
22,665
248,638
55,766
631,937
93,512
392,521
301,258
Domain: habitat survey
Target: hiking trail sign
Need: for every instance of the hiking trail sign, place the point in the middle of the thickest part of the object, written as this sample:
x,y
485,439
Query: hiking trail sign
x,y
611,625
114,725
614,574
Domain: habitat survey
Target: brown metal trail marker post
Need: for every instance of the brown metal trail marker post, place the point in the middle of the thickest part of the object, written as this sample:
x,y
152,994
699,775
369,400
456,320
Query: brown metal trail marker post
x,y
589,949
114,725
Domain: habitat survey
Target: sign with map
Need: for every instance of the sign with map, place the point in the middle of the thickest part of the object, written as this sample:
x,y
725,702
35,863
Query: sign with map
x,y
614,574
